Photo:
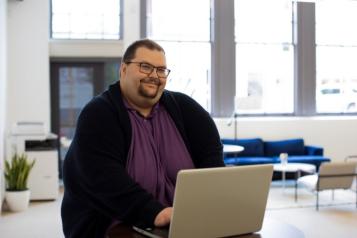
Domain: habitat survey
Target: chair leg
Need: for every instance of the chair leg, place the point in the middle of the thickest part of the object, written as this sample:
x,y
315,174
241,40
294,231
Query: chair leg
x,y
317,200
296,188
333,194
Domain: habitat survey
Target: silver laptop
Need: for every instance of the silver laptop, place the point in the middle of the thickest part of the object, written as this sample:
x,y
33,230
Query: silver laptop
x,y
217,202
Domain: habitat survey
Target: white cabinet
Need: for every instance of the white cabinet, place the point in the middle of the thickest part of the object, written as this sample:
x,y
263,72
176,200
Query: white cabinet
x,y
43,179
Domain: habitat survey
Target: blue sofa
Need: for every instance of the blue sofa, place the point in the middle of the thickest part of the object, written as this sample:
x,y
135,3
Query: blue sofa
x,y
257,151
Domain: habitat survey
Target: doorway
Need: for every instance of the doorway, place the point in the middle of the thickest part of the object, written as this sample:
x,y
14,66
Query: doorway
x,y
73,85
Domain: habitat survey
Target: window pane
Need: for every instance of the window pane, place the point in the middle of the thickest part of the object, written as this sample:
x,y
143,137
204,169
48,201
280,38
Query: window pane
x,y
336,54
188,75
86,19
264,57
180,20
75,90
335,21
264,84
336,88
111,73
263,21
182,27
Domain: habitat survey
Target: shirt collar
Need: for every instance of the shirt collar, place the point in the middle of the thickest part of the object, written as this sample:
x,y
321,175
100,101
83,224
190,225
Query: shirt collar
x,y
153,112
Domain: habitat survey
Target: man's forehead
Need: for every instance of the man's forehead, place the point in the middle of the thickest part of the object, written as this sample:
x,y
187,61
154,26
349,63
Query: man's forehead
x,y
150,55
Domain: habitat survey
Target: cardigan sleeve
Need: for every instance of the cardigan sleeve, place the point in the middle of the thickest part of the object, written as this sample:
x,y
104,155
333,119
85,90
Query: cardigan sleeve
x,y
95,168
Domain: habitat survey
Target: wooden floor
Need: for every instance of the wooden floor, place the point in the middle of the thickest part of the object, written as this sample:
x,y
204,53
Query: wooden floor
x,y
335,219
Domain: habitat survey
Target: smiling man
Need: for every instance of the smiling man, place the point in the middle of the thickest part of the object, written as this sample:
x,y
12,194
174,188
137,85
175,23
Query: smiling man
x,y
129,145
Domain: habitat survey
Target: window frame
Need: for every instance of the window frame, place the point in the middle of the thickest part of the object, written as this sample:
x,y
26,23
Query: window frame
x,y
121,27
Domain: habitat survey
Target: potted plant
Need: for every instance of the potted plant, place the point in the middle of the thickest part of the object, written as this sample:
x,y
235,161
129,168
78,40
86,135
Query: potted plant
x,y
17,195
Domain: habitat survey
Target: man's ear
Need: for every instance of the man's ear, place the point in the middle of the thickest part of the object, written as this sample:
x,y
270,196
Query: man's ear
x,y
123,69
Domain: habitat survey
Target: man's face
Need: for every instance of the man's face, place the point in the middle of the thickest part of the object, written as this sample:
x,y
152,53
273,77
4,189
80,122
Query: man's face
x,y
140,88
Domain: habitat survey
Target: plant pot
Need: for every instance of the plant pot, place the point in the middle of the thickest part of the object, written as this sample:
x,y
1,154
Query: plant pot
x,y
17,201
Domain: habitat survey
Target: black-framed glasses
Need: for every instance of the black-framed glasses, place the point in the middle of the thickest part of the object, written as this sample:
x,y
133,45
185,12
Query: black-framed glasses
x,y
147,68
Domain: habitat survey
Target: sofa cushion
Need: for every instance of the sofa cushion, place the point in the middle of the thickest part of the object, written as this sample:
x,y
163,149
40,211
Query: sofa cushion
x,y
252,147
292,147
312,159
248,160
313,150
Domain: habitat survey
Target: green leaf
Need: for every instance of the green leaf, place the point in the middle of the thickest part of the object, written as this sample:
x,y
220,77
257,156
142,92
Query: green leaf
x,y
17,172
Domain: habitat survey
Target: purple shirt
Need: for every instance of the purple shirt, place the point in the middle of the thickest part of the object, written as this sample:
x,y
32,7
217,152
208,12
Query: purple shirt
x,y
157,152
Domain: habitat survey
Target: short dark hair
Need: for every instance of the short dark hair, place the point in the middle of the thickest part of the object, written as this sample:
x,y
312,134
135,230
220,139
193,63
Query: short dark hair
x,y
146,43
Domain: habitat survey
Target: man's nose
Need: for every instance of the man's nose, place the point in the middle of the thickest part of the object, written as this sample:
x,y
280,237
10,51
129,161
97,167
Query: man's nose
x,y
154,72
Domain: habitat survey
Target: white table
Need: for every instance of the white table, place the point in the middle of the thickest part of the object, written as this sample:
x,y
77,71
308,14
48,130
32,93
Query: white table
x,y
294,168
232,149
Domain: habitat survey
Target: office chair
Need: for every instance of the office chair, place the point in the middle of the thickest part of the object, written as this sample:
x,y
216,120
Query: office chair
x,y
353,158
331,176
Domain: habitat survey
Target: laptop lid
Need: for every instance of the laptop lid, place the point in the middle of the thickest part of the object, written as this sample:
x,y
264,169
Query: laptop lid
x,y
218,202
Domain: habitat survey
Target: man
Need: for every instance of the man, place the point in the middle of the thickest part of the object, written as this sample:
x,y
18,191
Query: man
x,y
129,145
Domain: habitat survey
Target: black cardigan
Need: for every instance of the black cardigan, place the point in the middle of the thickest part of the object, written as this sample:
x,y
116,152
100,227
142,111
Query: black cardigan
x,y
97,186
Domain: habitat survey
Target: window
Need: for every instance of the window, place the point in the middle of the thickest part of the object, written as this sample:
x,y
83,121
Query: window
x,y
183,29
336,57
264,57
86,19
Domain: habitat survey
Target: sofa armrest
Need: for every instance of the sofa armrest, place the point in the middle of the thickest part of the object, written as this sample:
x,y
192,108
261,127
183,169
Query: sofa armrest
x,y
313,150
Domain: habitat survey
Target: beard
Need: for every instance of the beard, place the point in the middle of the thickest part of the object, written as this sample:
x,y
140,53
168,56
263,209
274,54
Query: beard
x,y
149,92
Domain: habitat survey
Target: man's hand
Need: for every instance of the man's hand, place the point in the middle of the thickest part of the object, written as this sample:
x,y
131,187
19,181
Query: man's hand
x,y
164,217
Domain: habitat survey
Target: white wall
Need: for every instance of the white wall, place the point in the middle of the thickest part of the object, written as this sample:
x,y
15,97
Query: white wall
x,y
3,7
28,93
337,135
